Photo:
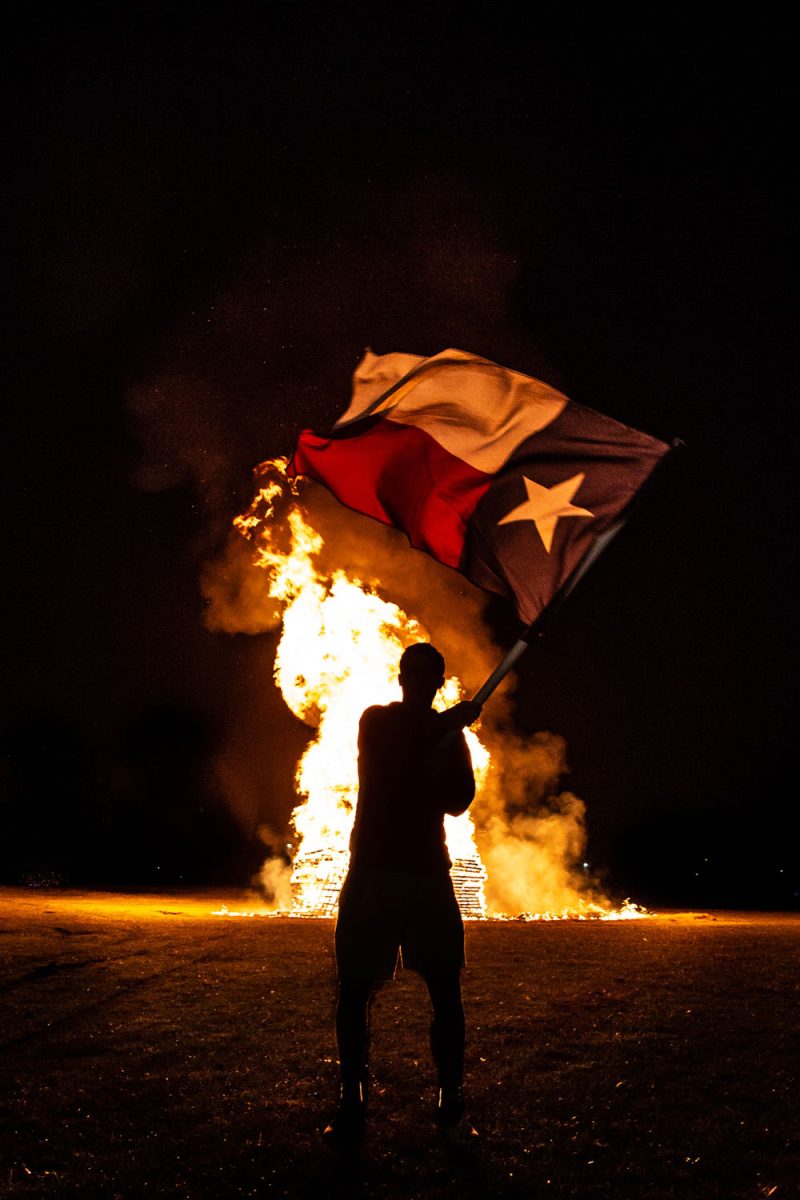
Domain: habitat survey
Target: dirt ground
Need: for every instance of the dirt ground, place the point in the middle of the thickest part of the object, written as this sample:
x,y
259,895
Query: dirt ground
x,y
150,1048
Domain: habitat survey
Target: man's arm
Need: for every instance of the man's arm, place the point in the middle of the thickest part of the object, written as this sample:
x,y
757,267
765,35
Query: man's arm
x,y
458,781
367,727
460,715
448,762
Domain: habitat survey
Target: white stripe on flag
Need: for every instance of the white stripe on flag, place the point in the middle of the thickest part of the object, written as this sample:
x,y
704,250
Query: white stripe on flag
x,y
474,408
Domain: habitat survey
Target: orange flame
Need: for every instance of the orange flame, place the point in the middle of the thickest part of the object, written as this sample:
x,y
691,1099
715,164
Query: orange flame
x,y
339,652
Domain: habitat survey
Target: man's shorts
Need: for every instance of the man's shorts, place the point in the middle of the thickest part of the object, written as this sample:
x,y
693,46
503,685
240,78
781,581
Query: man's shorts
x,y
382,911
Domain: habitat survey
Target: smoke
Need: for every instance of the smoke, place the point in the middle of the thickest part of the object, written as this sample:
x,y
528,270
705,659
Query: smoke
x,y
234,589
275,884
530,835
274,880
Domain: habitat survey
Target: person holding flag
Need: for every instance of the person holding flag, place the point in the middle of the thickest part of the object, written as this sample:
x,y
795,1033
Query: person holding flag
x,y
503,478
413,767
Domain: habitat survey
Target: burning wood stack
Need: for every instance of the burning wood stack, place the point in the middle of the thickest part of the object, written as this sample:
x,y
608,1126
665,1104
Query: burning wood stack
x,y
317,877
468,876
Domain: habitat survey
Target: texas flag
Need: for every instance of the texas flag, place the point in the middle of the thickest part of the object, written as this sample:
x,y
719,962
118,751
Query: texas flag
x,y
489,471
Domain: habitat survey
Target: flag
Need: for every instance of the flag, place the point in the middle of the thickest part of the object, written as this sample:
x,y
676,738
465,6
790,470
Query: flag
x,y
487,470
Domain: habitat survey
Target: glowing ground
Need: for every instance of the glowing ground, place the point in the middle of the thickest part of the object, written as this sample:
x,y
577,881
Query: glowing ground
x,y
151,1049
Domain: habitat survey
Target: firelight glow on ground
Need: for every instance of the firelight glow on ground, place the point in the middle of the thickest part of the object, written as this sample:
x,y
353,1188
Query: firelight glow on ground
x,y
150,1048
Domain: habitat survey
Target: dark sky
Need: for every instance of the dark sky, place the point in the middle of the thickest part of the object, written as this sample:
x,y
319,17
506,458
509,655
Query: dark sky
x,y
211,216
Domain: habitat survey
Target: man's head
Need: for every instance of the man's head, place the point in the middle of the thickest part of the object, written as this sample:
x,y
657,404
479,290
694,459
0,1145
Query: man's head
x,y
421,673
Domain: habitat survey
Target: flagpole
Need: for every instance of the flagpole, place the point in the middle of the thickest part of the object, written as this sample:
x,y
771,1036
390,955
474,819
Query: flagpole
x,y
500,672
536,628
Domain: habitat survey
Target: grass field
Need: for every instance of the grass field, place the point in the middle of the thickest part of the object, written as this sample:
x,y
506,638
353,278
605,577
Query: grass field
x,y
151,1049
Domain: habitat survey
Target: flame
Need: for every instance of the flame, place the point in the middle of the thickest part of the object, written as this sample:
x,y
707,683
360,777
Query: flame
x,y
339,653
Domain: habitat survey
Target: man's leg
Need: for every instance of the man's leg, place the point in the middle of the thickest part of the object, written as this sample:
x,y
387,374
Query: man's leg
x,y
447,1027
352,1035
447,1044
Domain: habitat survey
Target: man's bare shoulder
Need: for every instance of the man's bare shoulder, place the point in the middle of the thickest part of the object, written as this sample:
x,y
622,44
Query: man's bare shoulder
x,y
378,713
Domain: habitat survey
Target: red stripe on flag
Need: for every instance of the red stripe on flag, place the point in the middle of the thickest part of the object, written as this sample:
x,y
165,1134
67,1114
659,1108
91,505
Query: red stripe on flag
x,y
400,475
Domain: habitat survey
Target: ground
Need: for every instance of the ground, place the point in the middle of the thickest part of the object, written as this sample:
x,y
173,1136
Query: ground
x,y
151,1048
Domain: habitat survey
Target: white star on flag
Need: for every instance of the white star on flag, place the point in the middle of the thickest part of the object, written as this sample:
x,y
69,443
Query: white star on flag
x,y
545,505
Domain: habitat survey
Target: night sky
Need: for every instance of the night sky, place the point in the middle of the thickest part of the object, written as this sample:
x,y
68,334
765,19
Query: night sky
x,y
211,217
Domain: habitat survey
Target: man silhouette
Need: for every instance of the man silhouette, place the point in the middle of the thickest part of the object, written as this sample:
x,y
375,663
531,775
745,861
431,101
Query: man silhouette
x,y
413,767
